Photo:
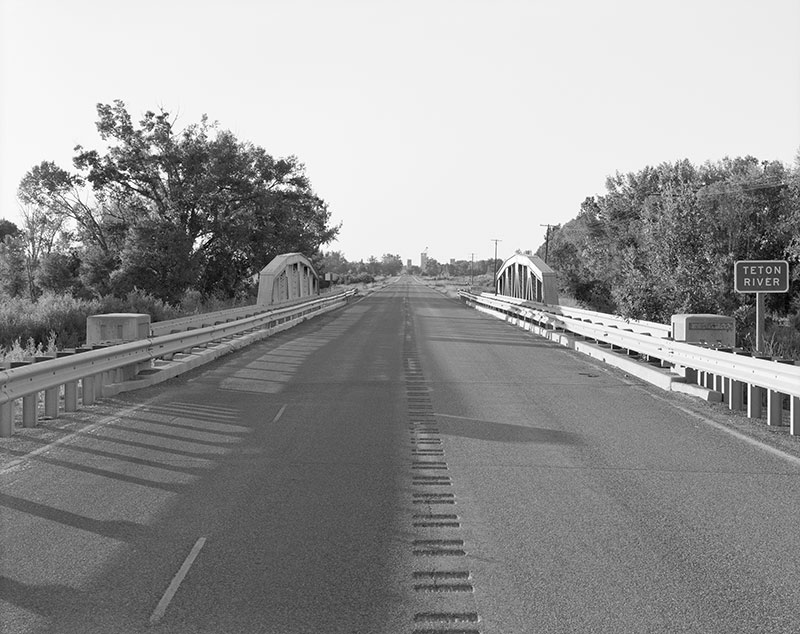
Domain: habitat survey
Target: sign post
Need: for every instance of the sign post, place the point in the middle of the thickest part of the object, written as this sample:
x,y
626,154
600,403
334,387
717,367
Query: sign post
x,y
759,277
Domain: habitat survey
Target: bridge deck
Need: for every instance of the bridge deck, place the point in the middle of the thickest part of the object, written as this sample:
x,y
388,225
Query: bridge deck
x,y
405,464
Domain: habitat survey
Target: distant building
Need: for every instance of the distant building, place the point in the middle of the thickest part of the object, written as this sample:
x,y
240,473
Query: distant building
x,y
408,263
423,260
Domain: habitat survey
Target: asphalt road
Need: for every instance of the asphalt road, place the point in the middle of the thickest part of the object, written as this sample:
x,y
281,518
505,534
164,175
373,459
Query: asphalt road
x,y
405,464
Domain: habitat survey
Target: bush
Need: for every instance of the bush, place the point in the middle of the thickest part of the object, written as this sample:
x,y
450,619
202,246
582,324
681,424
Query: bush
x,y
782,342
139,301
22,320
60,319
359,278
31,350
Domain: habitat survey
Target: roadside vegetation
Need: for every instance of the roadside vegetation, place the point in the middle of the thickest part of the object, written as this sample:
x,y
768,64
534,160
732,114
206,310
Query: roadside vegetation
x,y
663,241
171,222
159,220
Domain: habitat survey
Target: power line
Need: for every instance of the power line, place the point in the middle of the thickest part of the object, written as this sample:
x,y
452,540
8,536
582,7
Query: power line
x,y
728,188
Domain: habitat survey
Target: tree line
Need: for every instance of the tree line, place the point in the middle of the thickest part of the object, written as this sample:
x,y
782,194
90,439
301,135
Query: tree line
x,y
390,264
663,240
161,210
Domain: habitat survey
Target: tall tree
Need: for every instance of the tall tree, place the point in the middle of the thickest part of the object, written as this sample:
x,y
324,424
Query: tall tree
x,y
227,206
664,240
41,228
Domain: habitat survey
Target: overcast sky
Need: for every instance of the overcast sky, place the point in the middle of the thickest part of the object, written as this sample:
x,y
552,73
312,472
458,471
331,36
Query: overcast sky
x,y
436,124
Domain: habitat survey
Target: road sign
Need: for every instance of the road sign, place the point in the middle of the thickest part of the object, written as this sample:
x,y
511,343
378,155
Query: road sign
x,y
761,276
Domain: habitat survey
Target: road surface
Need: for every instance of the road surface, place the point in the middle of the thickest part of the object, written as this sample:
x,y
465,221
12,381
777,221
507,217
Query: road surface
x,y
405,464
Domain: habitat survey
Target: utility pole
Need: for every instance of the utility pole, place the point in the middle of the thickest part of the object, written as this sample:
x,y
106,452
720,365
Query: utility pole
x,y
546,240
471,274
494,278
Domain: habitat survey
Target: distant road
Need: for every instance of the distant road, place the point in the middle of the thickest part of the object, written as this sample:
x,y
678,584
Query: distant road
x,y
405,464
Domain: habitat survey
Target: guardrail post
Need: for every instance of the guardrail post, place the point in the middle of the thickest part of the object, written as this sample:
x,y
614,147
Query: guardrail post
x,y
7,419
735,389
794,415
755,394
51,402
774,408
71,396
29,403
87,385
735,396
721,382
70,388
775,401
106,378
30,410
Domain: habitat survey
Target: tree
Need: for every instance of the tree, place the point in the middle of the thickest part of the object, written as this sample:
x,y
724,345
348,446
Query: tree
x,y
228,206
41,228
331,262
12,266
7,228
60,273
663,240
391,264
373,266
156,257
432,267
64,196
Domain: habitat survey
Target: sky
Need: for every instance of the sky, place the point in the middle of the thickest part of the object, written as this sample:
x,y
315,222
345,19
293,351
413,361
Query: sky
x,y
436,125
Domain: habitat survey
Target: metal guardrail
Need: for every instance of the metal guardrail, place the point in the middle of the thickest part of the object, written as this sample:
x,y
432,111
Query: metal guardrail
x,y
733,375
181,324
190,322
92,368
636,325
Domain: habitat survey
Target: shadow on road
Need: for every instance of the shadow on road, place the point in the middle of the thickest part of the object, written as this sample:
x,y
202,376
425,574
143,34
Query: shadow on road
x,y
503,432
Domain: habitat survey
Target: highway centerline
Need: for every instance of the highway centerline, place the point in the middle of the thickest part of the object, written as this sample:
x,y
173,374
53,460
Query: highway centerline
x,y
162,606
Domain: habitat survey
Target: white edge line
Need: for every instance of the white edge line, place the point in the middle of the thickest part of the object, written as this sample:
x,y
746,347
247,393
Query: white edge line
x,y
279,414
162,606
736,434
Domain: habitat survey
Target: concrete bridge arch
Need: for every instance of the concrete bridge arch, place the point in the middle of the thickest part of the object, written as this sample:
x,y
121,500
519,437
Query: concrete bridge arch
x,y
289,276
527,277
